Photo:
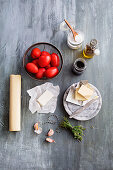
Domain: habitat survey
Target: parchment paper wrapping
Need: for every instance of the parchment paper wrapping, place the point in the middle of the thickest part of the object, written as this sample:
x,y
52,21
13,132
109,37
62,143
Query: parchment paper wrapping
x,y
36,92
15,103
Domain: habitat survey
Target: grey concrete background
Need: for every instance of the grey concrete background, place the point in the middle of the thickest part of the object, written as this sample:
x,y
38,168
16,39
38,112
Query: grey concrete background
x,y
24,22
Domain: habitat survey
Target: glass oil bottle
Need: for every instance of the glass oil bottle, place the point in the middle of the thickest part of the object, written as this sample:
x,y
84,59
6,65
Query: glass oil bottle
x,y
91,49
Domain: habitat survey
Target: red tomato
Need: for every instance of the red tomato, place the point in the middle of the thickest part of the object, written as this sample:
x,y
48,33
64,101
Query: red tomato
x,y
48,66
51,72
40,73
55,61
44,60
45,53
35,53
32,68
35,62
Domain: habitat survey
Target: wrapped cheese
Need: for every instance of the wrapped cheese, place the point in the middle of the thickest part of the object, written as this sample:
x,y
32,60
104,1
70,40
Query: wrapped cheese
x,y
15,103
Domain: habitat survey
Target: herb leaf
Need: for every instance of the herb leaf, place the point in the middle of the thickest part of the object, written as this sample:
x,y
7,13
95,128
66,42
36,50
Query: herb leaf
x,y
76,130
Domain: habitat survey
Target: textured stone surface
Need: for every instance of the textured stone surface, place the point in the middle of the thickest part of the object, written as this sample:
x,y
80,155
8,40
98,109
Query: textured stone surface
x,y
24,22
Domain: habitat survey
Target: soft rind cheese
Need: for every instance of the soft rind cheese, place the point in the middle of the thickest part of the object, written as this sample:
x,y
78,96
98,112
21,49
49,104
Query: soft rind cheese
x,y
85,92
45,98
88,86
79,96
71,98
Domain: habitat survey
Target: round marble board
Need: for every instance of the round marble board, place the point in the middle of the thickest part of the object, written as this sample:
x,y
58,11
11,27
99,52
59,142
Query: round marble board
x,y
89,112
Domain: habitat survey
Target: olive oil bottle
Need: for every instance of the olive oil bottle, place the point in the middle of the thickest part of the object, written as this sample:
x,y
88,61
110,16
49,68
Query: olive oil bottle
x,y
91,49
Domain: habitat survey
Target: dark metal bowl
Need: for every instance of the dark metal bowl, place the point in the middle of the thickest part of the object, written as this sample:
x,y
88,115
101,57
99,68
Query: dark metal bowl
x,y
43,46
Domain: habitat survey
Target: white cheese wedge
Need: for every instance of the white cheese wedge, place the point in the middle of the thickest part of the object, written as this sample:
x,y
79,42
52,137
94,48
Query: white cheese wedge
x,y
71,98
79,96
45,98
88,86
85,91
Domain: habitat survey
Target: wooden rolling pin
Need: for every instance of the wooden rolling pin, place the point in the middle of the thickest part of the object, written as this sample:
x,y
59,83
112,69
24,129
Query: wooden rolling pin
x,y
15,103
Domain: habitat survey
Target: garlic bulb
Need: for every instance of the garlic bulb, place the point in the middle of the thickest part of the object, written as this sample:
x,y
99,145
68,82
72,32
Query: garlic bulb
x,y
38,129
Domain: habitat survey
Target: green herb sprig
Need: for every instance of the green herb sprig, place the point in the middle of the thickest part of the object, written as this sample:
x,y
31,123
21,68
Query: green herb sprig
x,y
76,130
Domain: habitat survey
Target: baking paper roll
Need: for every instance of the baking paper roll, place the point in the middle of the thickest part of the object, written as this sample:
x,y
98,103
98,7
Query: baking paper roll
x,y
15,103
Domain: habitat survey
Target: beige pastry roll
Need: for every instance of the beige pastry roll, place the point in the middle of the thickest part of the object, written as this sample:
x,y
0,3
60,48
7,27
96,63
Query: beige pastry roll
x,y
15,103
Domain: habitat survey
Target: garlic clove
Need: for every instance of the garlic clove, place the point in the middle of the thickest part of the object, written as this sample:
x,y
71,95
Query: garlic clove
x,y
36,126
39,131
50,140
51,132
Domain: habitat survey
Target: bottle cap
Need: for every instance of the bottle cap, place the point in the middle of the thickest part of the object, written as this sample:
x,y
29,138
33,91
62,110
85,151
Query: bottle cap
x,y
93,43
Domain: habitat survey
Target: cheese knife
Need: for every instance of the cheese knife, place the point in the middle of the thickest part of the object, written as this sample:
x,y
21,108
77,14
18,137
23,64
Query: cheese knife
x,y
84,107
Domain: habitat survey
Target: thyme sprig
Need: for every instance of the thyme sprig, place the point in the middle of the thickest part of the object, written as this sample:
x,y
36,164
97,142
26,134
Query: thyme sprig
x,y
76,130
